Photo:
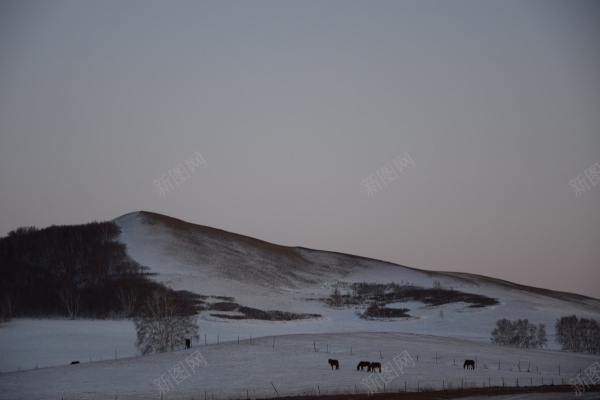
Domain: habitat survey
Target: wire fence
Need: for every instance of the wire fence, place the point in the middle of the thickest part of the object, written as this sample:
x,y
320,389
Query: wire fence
x,y
396,386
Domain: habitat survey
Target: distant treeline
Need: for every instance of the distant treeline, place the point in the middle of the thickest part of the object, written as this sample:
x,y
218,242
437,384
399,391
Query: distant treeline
x,y
376,297
74,271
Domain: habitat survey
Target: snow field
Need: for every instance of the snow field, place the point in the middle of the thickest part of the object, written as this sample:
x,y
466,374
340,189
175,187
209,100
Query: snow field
x,y
27,343
297,365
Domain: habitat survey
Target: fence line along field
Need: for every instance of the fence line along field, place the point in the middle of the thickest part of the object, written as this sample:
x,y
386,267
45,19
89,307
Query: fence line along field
x,y
295,365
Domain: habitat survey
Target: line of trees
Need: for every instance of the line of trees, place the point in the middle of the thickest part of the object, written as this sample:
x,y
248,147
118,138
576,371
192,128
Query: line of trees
x,y
519,333
74,271
578,335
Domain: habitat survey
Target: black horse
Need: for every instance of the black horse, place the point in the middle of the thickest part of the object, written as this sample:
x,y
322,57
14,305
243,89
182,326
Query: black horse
x,y
361,365
334,363
469,364
74,362
373,366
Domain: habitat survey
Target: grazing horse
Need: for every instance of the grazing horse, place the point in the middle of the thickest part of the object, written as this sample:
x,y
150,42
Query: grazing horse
x,y
469,364
374,365
361,365
334,363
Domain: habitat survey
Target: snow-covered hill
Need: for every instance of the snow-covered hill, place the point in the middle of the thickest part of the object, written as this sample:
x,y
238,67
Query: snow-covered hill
x,y
258,274
250,357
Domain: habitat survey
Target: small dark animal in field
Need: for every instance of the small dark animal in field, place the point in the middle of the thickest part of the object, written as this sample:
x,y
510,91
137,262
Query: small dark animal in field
x,y
334,363
373,366
469,364
188,343
74,362
361,365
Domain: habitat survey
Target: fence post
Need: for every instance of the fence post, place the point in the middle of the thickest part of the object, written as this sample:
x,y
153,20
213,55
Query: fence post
x,y
275,389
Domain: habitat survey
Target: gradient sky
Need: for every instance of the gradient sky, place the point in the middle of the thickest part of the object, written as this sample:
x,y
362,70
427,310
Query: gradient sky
x,y
293,104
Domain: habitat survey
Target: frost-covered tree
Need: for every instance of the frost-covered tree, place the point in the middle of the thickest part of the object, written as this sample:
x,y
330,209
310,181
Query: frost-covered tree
x,y
503,332
519,333
541,336
578,335
164,323
590,335
566,333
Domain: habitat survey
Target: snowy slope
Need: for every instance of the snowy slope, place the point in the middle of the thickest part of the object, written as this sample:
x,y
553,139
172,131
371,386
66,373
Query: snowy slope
x,y
296,365
267,276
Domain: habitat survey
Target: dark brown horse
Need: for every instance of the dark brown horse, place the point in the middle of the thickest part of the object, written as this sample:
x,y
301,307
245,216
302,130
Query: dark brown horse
x,y
361,365
334,363
469,364
373,366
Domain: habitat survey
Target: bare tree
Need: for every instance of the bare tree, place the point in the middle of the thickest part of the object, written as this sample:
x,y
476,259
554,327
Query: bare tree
x,y
578,335
9,303
336,297
70,296
164,324
566,333
519,333
127,298
503,332
541,336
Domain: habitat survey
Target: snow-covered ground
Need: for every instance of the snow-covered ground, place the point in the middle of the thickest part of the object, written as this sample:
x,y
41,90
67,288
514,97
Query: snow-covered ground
x,y
287,357
30,343
296,365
